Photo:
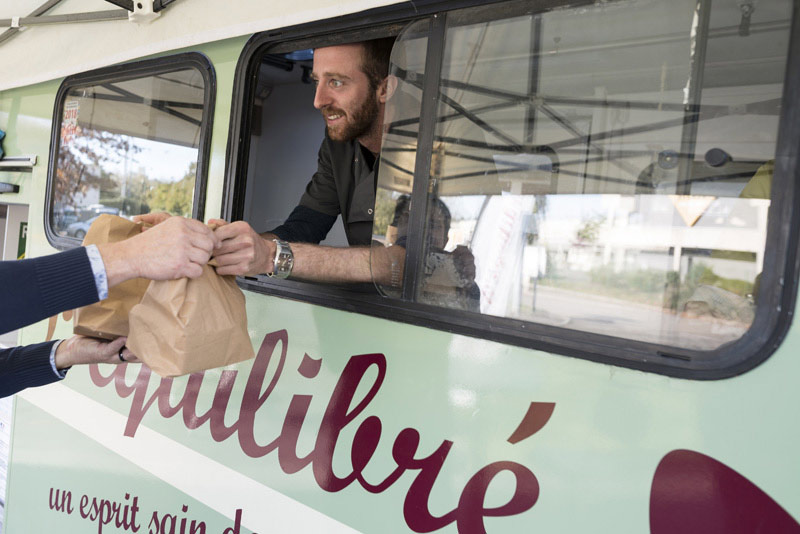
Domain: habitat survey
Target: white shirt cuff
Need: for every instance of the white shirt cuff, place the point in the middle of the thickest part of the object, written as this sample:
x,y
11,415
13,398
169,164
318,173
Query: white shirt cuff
x,y
99,270
60,374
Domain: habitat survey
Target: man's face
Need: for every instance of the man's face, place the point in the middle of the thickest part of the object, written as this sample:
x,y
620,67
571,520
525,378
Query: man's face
x,y
344,97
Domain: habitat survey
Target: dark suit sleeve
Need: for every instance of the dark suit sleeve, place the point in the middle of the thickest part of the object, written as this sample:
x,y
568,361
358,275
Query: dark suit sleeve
x,y
25,367
35,289
32,290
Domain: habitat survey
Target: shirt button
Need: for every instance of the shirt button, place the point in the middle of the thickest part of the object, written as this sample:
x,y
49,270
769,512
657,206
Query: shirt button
x,y
369,211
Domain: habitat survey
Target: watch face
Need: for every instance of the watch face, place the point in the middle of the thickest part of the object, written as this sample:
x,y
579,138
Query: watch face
x,y
284,259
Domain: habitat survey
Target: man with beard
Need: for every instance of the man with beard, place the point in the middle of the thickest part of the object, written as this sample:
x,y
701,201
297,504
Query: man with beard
x,y
352,86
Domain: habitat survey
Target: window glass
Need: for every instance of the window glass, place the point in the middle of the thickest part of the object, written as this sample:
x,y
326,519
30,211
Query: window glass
x,y
398,157
127,147
605,169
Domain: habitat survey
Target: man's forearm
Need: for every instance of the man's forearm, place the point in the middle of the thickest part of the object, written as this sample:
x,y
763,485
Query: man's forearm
x,y
331,264
317,263
244,252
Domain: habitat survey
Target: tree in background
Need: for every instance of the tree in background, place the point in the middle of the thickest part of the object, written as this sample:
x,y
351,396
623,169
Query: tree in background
x,y
174,197
81,166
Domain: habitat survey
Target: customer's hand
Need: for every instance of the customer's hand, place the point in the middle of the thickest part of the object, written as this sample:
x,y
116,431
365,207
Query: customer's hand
x,y
151,219
176,248
83,350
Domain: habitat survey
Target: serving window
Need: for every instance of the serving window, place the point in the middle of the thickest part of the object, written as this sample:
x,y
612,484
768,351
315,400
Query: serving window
x,y
594,181
129,140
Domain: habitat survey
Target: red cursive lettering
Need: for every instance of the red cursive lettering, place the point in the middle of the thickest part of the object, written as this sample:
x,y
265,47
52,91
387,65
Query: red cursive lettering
x,y
343,409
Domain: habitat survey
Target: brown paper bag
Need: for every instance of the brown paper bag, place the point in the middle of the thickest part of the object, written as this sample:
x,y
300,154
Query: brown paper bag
x,y
189,325
108,319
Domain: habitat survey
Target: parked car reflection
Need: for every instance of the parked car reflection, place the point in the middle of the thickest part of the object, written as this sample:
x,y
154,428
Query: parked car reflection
x,y
80,228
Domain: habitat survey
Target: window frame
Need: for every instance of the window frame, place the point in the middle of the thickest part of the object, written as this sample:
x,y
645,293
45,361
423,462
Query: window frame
x,y
775,303
124,72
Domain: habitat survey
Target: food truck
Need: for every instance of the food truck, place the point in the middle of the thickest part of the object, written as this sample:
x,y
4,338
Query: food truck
x,y
590,323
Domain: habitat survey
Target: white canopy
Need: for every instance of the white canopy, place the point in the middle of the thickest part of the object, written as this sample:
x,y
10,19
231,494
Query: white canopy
x,y
47,51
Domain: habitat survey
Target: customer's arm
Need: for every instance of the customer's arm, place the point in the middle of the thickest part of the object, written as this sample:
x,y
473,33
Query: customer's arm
x,y
31,290
44,363
34,289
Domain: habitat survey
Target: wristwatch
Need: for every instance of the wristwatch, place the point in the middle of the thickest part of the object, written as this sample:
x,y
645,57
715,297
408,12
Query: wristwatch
x,y
284,260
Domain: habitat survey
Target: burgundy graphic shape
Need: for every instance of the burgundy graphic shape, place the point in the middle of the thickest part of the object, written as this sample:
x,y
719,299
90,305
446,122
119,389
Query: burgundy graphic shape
x,y
695,494
538,415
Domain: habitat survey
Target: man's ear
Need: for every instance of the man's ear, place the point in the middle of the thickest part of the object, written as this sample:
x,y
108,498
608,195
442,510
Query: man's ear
x,y
387,88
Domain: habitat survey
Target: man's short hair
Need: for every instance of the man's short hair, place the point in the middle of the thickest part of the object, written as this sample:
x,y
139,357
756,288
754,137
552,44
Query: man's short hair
x,y
375,62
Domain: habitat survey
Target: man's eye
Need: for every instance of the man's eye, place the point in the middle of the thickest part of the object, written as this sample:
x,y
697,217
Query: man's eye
x,y
336,83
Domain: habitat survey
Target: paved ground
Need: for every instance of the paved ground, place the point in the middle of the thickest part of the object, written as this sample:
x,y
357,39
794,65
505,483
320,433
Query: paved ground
x,y
617,317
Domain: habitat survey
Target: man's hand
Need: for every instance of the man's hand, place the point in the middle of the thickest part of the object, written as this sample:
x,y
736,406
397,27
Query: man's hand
x,y
175,248
464,262
81,350
242,251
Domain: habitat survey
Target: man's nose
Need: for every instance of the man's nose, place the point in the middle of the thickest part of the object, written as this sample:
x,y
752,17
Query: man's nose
x,y
321,97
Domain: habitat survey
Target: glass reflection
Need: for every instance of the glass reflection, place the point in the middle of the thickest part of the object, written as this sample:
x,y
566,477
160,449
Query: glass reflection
x,y
606,169
127,148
